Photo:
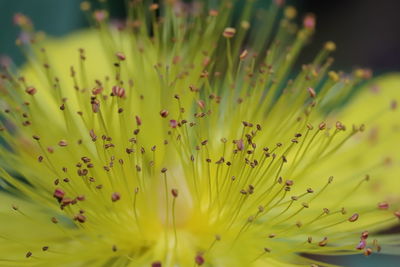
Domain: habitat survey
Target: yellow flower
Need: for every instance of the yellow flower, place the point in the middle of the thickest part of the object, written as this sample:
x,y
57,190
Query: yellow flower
x,y
177,139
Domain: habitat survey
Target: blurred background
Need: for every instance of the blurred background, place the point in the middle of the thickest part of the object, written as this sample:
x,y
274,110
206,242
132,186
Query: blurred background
x,y
366,33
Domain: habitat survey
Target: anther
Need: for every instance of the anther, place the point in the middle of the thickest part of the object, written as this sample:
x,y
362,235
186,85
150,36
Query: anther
x,y
115,197
80,218
58,194
309,22
229,32
31,90
28,254
354,217
63,143
383,205
156,264
121,56
174,193
199,259
367,252
164,113
362,244
312,93
323,242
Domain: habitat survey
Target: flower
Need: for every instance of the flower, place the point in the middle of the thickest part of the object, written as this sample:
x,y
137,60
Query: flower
x,y
176,138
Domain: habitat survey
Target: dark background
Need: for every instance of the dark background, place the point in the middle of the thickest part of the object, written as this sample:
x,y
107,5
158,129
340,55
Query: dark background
x,y
366,33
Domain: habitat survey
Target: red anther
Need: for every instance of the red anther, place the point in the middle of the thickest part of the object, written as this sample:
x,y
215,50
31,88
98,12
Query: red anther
x,y
173,123
118,91
362,244
59,194
199,259
309,22
383,205
121,56
115,197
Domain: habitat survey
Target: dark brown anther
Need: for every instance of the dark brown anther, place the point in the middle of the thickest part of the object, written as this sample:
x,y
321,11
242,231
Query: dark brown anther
x,y
36,137
66,180
305,205
45,248
95,105
40,158
174,193
81,198
164,113
323,242
138,121
354,217
28,254
31,90
322,126
54,220
203,143
289,182
330,179
340,126
164,170
80,218
310,190
267,250
309,239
